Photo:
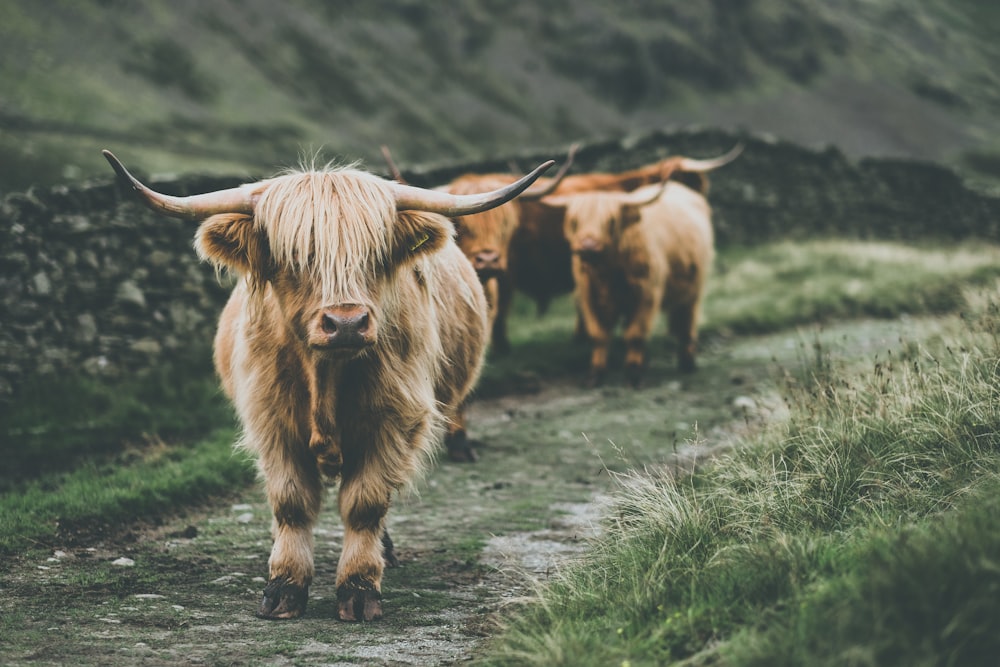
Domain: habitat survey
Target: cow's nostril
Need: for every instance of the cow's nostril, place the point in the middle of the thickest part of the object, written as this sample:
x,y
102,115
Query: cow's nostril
x,y
362,324
329,324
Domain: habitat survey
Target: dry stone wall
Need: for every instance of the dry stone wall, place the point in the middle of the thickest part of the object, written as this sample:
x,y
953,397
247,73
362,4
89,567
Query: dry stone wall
x,y
91,281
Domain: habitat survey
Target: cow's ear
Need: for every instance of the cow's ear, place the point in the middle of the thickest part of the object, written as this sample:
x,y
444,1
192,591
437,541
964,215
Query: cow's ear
x,y
417,232
232,240
630,215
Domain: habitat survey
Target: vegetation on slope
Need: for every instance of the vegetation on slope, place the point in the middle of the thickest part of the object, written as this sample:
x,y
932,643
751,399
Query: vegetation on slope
x,y
195,87
863,530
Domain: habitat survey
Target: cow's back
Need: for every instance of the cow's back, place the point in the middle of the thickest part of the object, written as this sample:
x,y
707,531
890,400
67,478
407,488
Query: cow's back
x,y
678,225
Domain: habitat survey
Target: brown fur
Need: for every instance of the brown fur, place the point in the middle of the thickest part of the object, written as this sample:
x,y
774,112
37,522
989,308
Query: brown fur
x,y
527,237
372,417
648,258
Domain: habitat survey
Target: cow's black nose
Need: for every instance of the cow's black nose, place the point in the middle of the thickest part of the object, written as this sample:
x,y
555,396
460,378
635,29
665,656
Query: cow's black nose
x,y
486,259
345,327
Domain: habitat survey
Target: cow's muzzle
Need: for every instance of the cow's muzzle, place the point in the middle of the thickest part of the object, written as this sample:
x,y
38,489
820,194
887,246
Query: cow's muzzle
x,y
588,249
344,328
487,263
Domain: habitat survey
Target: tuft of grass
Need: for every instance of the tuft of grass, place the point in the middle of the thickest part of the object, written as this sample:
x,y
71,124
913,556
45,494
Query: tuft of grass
x,y
862,530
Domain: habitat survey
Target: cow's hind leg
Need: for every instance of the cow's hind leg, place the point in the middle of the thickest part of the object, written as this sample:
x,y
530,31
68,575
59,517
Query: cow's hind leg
x,y
684,327
294,491
460,446
389,551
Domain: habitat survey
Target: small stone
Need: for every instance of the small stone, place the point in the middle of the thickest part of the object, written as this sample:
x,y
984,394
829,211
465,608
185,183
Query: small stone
x,y
242,508
247,517
149,596
123,562
41,283
744,404
129,292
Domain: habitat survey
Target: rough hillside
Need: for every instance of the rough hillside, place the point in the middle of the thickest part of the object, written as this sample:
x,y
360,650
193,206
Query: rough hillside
x,y
240,88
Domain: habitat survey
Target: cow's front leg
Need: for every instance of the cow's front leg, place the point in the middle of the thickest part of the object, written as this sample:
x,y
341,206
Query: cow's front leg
x,y
637,333
684,326
595,312
294,492
364,501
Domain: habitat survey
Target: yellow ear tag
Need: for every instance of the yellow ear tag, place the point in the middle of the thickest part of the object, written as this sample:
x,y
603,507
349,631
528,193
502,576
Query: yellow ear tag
x,y
425,239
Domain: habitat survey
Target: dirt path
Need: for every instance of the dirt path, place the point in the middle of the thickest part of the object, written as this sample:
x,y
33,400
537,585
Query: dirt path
x,y
470,543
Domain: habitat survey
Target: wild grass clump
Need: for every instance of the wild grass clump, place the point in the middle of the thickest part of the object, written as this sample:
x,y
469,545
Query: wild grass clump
x,y
862,530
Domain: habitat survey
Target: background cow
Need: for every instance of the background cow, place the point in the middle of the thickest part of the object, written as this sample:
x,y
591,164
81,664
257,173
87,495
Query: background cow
x,y
633,253
485,237
352,340
521,245
539,256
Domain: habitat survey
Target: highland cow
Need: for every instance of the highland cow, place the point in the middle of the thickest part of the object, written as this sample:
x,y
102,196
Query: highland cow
x,y
350,343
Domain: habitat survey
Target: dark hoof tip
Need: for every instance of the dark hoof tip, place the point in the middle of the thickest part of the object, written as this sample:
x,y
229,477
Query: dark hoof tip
x,y
283,600
358,605
460,448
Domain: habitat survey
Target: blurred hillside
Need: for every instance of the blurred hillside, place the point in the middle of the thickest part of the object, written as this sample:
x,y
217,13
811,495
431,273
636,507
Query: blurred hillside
x,y
241,88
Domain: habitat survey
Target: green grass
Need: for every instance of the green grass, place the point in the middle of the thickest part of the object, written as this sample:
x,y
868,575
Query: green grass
x,y
765,289
862,530
94,497
51,427
768,288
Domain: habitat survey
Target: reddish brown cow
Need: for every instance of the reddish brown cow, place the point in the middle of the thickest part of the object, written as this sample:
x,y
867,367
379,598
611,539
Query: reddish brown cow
x,y
484,237
633,254
350,343
521,245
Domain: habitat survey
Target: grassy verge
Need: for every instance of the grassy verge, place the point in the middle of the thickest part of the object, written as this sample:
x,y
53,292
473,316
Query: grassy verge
x,y
861,531
49,427
152,482
769,288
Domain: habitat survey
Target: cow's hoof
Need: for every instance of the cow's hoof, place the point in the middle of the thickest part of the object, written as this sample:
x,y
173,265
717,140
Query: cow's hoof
x,y
355,604
687,365
633,375
283,600
460,448
595,379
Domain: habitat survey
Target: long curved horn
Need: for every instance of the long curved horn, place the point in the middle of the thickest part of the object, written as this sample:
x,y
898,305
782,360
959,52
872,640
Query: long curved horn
x,y
233,200
537,192
689,164
409,198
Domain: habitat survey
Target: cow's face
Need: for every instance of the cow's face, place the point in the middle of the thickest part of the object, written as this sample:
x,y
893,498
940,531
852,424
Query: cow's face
x,y
485,238
328,263
593,222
